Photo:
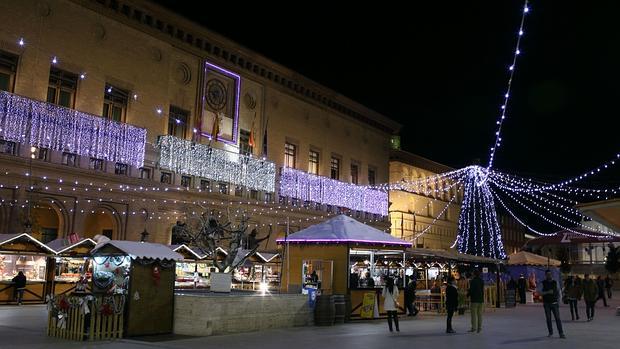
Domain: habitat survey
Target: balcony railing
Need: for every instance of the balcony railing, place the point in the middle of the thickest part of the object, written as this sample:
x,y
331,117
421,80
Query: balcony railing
x,y
194,159
40,124
308,187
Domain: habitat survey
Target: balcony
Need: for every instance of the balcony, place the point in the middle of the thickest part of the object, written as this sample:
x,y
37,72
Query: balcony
x,y
44,125
308,187
201,160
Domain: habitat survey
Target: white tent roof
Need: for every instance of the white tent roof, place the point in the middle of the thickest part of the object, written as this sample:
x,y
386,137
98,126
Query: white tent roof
x,y
136,249
528,258
341,230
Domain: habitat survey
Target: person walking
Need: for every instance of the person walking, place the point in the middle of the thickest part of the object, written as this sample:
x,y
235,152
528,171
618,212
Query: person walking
x,y
573,294
608,285
521,284
390,302
600,283
590,296
476,301
19,282
410,298
551,294
452,302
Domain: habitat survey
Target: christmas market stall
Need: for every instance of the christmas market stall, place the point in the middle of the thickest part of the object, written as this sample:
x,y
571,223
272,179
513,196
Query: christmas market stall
x,y
23,253
132,294
532,267
193,271
71,267
344,258
259,272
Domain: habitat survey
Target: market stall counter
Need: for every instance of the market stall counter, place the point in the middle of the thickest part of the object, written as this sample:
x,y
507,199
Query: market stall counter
x,y
344,258
23,253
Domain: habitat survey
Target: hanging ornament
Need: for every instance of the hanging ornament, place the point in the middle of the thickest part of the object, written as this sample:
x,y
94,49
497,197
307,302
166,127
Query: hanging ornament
x,y
156,275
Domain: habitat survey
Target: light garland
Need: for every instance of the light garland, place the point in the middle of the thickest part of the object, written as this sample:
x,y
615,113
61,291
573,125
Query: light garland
x,y
186,157
308,187
511,69
436,218
27,121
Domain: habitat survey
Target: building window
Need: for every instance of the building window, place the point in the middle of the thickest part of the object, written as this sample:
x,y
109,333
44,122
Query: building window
x,y
62,87
115,103
145,173
290,151
69,159
177,122
186,181
244,142
254,194
223,188
8,68
40,153
121,169
96,164
205,185
313,162
268,197
371,176
7,147
166,178
354,173
238,190
335,168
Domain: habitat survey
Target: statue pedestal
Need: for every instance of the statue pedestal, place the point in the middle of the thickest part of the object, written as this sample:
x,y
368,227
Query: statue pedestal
x,y
221,282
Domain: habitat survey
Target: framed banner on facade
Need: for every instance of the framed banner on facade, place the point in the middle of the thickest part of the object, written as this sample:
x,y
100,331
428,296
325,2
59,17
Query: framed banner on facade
x,y
220,104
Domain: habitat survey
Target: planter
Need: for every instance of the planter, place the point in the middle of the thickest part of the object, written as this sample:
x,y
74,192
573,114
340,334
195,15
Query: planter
x,y
221,282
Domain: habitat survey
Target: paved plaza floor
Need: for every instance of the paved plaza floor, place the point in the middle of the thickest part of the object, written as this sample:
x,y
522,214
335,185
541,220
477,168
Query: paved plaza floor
x,y
523,327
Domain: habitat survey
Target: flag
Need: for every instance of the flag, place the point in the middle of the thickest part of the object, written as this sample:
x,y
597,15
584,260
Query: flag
x,y
216,127
265,140
251,141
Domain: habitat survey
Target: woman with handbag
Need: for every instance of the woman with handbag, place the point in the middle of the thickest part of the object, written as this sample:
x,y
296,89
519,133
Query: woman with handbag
x,y
390,302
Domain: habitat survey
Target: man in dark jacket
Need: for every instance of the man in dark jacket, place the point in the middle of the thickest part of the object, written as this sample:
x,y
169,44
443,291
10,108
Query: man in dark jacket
x,y
521,286
600,283
590,295
410,298
476,301
452,302
19,282
608,284
551,294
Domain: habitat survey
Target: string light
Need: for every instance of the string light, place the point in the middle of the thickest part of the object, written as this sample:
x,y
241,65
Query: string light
x,y
40,124
183,156
511,69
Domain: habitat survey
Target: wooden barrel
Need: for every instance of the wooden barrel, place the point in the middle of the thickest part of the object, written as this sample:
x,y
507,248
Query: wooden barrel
x,y
324,311
340,306
347,308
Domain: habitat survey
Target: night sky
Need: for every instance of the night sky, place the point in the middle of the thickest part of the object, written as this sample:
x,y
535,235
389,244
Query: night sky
x,y
440,69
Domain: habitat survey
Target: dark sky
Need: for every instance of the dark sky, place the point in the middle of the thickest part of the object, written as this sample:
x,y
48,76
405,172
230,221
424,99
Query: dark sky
x,y
440,68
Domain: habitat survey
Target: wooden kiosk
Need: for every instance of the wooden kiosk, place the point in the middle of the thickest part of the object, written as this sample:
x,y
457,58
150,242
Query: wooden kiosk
x,y
193,271
146,279
321,259
72,261
22,252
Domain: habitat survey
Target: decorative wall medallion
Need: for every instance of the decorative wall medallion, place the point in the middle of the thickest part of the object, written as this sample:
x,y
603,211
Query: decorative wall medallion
x,y
98,31
156,54
216,94
183,74
249,100
44,9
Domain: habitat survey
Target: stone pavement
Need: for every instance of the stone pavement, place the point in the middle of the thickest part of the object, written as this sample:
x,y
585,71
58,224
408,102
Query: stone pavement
x,y
24,327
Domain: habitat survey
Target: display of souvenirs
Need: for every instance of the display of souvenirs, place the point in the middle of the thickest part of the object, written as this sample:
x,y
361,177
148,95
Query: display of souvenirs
x,y
32,266
71,269
192,274
111,274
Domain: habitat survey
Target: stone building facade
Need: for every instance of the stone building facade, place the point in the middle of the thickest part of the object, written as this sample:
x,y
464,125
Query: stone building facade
x,y
137,64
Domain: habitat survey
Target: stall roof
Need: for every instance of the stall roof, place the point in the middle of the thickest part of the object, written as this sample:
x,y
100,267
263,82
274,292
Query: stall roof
x,y
341,230
24,237
452,255
267,256
141,249
62,245
528,258
565,237
194,251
